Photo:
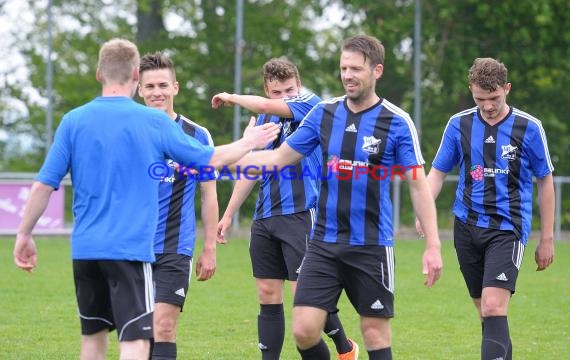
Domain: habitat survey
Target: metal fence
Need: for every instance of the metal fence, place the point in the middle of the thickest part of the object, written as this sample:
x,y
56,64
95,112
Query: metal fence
x,y
558,189
25,179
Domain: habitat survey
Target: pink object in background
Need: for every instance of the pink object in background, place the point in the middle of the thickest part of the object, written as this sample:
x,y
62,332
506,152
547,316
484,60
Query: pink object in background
x,y
12,201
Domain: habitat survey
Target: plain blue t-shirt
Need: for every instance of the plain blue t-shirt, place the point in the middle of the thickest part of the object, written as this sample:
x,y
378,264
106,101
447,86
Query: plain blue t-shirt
x,y
114,149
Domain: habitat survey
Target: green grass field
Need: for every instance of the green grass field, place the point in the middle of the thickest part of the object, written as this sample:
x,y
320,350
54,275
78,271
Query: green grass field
x,y
38,318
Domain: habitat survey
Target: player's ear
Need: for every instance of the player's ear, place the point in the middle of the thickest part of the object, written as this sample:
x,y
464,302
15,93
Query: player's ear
x,y
136,74
378,71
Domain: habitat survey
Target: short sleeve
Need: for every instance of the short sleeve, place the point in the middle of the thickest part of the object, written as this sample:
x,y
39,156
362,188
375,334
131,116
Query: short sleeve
x,y
447,156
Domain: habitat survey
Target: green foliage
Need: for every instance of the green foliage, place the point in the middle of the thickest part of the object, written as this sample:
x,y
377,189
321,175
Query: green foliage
x,y
39,318
531,37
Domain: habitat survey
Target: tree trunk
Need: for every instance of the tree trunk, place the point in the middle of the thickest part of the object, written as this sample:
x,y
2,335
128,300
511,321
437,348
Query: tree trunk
x,y
150,24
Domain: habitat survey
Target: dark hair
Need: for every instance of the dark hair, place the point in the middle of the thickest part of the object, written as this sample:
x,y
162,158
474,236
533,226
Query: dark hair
x,y
368,46
280,69
157,61
488,74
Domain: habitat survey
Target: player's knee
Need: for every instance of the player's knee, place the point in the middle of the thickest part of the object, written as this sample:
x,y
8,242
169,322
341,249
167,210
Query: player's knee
x,y
270,293
493,307
165,328
305,334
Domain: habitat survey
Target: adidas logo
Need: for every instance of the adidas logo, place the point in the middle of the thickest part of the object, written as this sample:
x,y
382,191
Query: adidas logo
x,y
377,305
333,332
351,128
262,347
180,292
502,277
490,140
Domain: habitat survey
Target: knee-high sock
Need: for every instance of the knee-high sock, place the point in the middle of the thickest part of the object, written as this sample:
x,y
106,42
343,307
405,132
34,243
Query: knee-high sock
x,y
335,331
382,354
317,352
164,351
509,351
271,330
496,339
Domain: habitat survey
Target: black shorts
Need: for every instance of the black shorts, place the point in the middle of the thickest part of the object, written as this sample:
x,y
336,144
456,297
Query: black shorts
x,y
366,273
487,257
113,294
171,273
278,245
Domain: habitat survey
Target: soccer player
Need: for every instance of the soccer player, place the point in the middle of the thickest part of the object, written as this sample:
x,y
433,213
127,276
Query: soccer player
x,y
114,148
365,142
499,149
285,208
176,231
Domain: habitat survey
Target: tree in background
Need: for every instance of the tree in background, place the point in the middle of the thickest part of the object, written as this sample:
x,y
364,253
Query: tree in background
x,y
531,37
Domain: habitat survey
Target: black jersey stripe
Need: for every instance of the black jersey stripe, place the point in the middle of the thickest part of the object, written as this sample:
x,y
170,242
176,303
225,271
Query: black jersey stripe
x,y
174,217
259,207
298,184
490,187
466,127
325,135
298,189
347,151
517,136
373,195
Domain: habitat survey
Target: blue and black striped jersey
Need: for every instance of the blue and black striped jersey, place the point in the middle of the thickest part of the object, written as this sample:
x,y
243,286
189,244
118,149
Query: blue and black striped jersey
x,y
496,167
295,188
176,230
360,153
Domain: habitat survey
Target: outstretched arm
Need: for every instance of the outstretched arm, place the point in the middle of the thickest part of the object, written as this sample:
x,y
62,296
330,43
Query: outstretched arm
x,y
254,137
25,256
257,161
544,254
424,207
257,104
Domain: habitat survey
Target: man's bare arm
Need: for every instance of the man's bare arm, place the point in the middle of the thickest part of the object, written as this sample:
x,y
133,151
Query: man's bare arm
x,y
256,104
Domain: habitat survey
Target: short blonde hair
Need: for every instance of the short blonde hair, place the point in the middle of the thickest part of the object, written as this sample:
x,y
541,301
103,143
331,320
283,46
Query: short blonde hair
x,y
118,58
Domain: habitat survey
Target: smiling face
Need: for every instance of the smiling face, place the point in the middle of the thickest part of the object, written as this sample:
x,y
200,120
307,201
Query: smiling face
x,y
158,89
359,77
